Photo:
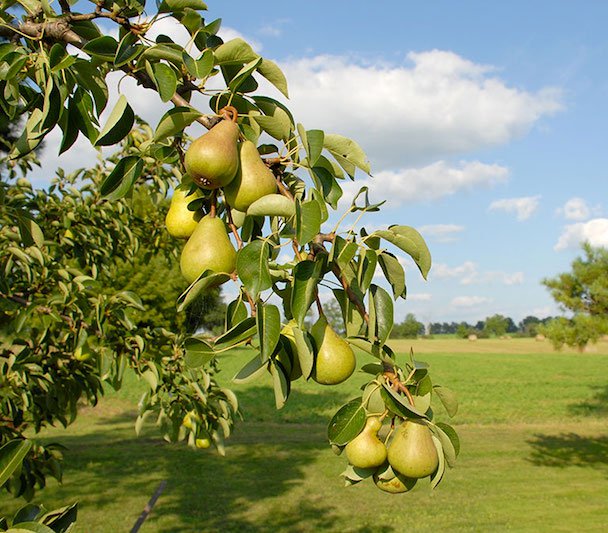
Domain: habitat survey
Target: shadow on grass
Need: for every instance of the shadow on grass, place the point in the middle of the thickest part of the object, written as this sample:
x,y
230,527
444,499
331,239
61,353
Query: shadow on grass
x,y
204,492
569,449
597,405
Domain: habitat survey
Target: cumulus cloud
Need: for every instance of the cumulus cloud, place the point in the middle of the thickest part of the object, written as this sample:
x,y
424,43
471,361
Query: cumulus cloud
x,y
468,274
420,297
441,232
428,183
523,207
437,104
577,209
594,231
470,301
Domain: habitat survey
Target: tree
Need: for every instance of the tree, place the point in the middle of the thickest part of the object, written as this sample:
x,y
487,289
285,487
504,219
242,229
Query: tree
x,y
496,325
63,314
584,293
410,328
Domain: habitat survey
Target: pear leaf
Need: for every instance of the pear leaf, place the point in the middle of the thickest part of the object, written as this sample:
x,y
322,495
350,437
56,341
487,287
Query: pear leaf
x,y
347,423
175,6
394,273
437,476
306,275
119,124
251,371
399,404
347,153
305,351
120,181
234,52
448,399
281,383
198,352
12,455
269,328
252,267
237,334
174,121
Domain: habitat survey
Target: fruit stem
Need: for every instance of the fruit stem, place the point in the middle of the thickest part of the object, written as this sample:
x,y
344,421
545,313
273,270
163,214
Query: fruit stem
x,y
393,379
213,208
229,113
233,228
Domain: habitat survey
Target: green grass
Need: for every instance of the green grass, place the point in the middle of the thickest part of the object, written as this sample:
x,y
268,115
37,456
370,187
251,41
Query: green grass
x,y
534,455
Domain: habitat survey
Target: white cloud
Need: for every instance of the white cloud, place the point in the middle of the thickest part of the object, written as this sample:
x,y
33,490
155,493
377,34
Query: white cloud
x,y
577,209
441,232
420,297
438,104
468,274
470,301
523,207
428,183
595,231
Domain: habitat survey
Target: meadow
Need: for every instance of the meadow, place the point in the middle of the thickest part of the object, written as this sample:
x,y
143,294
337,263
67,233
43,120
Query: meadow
x,y
533,425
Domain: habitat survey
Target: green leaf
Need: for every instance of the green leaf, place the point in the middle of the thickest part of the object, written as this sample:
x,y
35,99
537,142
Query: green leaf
x,y
128,49
170,52
411,242
393,272
277,125
104,48
269,328
347,153
242,75
29,231
437,476
175,121
347,423
448,399
234,52
164,78
281,384
168,6
62,519
119,124
327,183
207,279
36,527
305,351
399,404
120,181
383,307
12,455
198,352
273,205
271,71
308,221
313,144
447,436
235,312
252,267
237,334
251,371
306,276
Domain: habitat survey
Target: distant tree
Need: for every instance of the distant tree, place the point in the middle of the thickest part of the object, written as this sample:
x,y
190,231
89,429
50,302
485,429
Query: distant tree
x,y
529,326
584,293
463,330
333,313
496,325
480,325
410,328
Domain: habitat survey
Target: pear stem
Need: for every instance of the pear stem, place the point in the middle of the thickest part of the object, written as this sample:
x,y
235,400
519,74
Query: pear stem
x,y
213,208
233,228
393,379
319,306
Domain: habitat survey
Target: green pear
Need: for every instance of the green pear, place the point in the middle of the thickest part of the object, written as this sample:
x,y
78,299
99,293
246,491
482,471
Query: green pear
x,y
335,361
208,248
180,221
394,485
252,181
213,159
366,450
412,451
293,364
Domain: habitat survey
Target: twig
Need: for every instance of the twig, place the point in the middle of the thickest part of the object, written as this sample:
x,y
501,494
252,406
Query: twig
x,y
149,506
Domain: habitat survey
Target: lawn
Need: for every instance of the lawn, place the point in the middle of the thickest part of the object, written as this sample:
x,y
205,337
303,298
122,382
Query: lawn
x,y
533,426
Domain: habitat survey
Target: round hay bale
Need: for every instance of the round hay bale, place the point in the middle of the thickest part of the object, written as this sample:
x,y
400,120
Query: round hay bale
x,y
540,337
472,338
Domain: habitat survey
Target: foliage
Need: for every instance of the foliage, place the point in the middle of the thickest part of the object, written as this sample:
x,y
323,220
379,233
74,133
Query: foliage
x,y
410,328
496,325
57,287
584,293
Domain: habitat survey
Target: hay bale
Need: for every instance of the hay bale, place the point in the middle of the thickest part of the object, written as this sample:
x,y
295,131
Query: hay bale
x,y
472,338
540,337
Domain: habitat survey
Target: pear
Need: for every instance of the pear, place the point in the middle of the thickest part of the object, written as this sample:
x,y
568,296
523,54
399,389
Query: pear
x,y
411,451
252,181
180,221
295,370
213,159
208,248
335,361
366,450
394,485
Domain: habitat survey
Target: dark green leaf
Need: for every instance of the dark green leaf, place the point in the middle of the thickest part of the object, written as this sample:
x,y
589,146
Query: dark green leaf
x,y
448,437
237,334
393,272
235,312
119,124
399,404
281,383
168,6
383,307
305,351
308,221
102,47
252,267
269,328
121,179
234,52
198,352
207,279
347,423
271,71
29,231
243,74
411,242
12,455
175,121
164,78
277,125
306,276
251,371
128,49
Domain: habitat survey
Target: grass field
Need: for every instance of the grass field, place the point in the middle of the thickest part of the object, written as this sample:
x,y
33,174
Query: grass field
x,y
533,427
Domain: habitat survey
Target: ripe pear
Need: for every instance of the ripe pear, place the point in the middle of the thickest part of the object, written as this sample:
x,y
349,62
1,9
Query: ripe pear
x,y
180,221
335,361
208,247
395,485
252,181
213,159
366,450
411,451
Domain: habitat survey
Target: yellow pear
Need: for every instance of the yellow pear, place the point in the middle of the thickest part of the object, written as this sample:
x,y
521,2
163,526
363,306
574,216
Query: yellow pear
x,y
208,248
252,181
180,221
213,159
366,450
411,451
394,485
335,361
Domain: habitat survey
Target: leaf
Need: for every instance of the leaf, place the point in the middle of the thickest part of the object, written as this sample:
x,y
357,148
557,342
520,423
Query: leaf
x,y
393,272
383,307
128,49
251,371
449,451
62,519
36,527
206,280
305,351
306,275
164,78
411,242
313,144
448,399
399,404
12,455
326,182
168,6
271,71
277,125
102,48
119,182
237,334
347,423
244,74
29,231
119,124
171,52
272,205
252,267
281,384
438,475
234,52
308,221
175,121
269,328
198,352
235,312
347,153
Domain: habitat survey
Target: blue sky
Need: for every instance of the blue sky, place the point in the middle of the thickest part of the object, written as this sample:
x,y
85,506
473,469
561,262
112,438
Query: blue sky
x,y
485,124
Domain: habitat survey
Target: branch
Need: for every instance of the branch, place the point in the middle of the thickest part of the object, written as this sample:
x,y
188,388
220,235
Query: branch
x,y
350,293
